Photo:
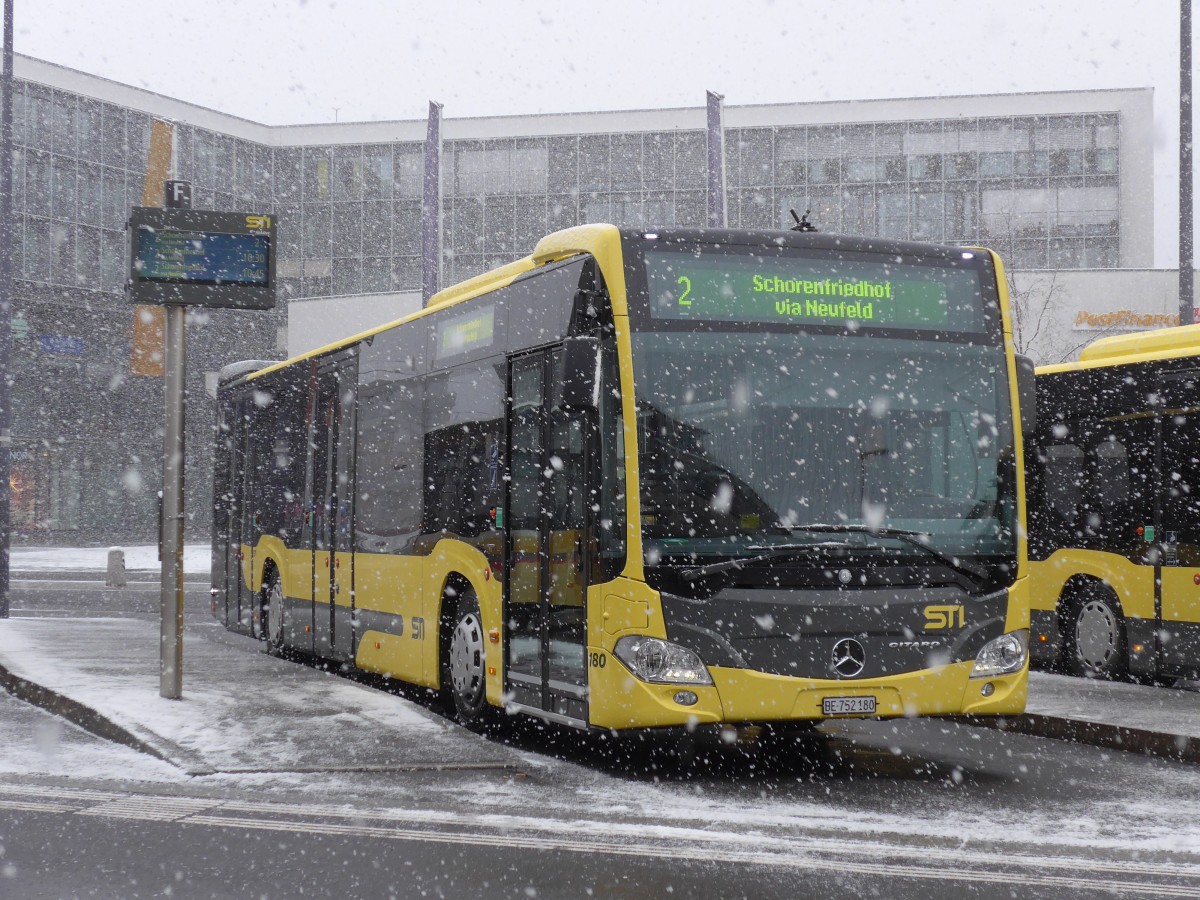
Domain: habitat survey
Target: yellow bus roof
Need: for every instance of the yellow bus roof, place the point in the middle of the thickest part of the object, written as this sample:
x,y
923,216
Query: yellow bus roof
x,y
1142,346
595,239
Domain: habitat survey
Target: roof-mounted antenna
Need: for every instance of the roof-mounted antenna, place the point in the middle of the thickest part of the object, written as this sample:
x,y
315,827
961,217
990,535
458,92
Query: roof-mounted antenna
x,y
802,223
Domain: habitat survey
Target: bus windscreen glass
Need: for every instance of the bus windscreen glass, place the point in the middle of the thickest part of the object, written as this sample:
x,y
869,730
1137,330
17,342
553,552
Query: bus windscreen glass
x,y
787,388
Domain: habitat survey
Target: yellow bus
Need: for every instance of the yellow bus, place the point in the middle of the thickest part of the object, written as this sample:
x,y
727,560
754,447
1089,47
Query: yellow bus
x,y
1115,508
650,479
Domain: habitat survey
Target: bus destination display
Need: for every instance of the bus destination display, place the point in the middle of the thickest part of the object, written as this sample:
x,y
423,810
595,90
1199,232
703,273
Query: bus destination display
x,y
805,290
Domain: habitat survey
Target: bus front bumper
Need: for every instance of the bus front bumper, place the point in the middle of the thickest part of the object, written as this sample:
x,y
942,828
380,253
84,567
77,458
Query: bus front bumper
x,y
746,696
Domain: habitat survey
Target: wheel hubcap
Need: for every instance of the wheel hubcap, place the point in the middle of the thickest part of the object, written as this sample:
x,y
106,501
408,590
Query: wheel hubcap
x,y
1096,634
275,614
466,658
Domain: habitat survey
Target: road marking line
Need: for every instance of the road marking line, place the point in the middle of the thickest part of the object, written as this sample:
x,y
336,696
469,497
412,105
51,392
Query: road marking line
x,y
30,806
847,846
156,809
798,859
46,790
505,832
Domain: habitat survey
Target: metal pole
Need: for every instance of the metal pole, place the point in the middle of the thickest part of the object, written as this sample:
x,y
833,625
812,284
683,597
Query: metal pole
x,y
1186,176
171,649
6,303
717,203
431,207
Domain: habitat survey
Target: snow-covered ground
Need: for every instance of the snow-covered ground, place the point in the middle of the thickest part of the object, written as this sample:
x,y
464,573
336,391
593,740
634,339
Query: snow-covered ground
x,y
197,558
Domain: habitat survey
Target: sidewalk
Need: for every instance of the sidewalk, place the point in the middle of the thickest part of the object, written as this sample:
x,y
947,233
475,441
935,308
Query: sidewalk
x,y
242,711
1159,721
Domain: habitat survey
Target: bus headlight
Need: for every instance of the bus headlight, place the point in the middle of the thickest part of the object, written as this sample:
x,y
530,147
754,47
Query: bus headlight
x,y
662,662
1002,656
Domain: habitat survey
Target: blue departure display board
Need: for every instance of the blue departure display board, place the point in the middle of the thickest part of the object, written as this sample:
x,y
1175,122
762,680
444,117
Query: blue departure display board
x,y
186,257
196,257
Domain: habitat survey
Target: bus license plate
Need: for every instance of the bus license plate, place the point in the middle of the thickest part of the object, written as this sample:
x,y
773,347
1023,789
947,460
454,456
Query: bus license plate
x,y
848,706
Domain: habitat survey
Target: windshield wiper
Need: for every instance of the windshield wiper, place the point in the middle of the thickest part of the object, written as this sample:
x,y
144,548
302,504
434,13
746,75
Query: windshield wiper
x,y
918,539
913,538
779,550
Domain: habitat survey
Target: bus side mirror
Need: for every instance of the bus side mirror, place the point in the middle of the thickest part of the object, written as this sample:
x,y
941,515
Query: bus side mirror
x,y
581,373
1026,395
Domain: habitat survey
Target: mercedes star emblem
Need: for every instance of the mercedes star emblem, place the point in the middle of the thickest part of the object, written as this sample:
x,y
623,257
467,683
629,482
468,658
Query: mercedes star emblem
x,y
849,657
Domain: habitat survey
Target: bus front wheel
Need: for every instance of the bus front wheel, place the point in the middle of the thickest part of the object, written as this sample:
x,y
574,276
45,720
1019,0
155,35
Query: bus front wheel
x,y
1096,634
464,673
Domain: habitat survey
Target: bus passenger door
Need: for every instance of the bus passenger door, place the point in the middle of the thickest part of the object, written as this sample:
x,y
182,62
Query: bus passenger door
x,y
342,523
232,502
1178,529
330,540
254,469
546,535
300,621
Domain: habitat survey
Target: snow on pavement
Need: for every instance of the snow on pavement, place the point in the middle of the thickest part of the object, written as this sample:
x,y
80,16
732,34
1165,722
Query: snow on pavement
x,y
197,558
241,709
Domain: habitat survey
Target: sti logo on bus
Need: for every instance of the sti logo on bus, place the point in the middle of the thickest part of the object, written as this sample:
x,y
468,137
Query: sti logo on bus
x,y
258,223
941,617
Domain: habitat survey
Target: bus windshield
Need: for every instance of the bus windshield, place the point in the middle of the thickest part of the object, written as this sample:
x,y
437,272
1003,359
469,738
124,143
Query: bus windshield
x,y
780,392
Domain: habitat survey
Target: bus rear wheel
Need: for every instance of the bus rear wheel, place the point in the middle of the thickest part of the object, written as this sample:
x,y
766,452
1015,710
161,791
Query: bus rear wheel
x,y
1096,635
464,672
272,613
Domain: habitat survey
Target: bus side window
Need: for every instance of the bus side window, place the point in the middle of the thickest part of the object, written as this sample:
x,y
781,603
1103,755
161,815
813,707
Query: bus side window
x,y
1110,474
1064,473
463,429
1180,489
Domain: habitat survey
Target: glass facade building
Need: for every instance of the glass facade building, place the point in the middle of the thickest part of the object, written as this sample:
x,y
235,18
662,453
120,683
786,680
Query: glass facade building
x,y
1060,181
1044,190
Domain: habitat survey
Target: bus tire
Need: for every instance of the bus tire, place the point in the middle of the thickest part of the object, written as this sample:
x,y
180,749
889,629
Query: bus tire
x,y
272,613
464,672
1095,634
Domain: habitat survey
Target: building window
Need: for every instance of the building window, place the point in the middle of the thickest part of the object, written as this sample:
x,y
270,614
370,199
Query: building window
x,y
408,166
1088,210
824,171
317,165
893,214
995,165
63,189
1031,163
925,167
1101,254
1066,162
961,165
928,217
860,169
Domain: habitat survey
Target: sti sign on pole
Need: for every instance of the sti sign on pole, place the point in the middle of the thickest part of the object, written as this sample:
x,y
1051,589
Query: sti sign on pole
x,y
179,258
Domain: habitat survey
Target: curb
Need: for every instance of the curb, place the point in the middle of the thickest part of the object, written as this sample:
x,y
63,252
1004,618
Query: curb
x,y
91,721
1177,747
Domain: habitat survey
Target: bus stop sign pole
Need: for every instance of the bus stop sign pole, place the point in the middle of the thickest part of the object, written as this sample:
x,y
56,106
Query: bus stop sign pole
x,y
170,682
171,650
181,257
